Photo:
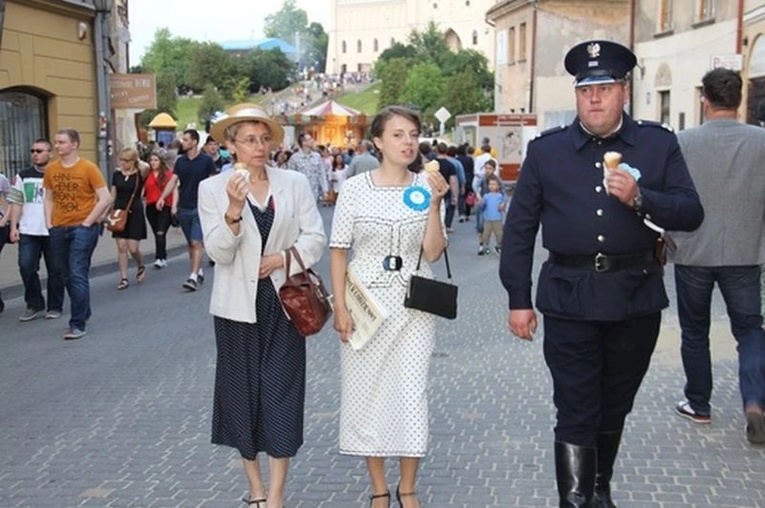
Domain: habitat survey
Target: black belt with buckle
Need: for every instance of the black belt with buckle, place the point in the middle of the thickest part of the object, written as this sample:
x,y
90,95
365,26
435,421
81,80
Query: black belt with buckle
x,y
393,263
603,262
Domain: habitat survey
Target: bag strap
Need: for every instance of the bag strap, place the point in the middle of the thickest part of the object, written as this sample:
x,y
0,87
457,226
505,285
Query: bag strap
x,y
292,251
446,259
132,196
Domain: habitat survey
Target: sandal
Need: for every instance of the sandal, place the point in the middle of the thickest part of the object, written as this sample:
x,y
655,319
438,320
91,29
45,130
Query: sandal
x,y
123,284
140,273
256,502
379,496
400,494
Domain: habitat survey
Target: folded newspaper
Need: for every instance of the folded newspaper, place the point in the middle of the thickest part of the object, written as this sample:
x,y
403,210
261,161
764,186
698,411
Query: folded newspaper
x,y
365,309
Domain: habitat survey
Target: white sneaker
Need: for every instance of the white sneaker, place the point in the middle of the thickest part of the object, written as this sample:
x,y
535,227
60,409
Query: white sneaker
x,y
158,264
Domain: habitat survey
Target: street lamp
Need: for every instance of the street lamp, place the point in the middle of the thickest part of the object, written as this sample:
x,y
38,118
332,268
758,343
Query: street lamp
x,y
103,8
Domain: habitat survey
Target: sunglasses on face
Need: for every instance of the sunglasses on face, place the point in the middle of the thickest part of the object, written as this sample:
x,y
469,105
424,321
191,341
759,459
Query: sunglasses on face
x,y
37,150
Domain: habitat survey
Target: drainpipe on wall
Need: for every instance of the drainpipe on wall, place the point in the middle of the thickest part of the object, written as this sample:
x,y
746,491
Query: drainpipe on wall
x,y
532,72
739,26
102,87
2,20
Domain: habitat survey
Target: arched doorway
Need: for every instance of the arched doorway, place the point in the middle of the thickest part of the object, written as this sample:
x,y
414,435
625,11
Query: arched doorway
x,y
755,103
23,119
453,40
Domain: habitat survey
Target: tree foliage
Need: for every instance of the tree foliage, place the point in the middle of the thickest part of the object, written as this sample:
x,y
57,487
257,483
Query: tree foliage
x,y
393,77
291,24
211,103
167,99
426,74
424,88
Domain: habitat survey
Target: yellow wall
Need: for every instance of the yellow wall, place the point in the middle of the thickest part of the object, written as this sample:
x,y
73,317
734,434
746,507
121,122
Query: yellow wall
x,y
40,49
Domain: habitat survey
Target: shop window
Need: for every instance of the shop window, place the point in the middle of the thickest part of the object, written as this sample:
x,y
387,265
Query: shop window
x,y
664,107
376,45
345,47
358,46
23,120
475,37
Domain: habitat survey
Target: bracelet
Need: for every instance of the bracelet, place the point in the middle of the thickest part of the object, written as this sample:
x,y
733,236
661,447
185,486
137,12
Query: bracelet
x,y
231,220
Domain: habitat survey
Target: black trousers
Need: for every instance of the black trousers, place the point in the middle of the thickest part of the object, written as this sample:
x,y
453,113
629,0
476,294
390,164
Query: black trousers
x,y
159,220
597,368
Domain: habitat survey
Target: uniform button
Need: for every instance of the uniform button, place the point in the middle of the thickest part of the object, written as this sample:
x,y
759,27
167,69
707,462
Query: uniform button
x,y
601,238
597,165
599,212
598,188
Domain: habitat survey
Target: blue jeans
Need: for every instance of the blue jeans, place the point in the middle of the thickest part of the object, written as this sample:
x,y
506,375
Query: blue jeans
x,y
31,247
740,288
72,248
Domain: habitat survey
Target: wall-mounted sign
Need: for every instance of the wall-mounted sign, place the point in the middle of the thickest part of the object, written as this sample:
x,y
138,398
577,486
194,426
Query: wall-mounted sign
x,y
133,91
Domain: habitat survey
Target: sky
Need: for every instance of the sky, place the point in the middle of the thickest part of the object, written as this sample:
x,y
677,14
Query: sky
x,y
227,20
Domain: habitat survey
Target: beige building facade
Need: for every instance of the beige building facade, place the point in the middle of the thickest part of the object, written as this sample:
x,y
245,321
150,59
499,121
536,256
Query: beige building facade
x,y
531,40
676,43
359,30
753,56
47,77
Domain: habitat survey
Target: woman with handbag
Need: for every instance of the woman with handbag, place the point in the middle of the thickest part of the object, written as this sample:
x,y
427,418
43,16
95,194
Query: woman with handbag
x,y
127,187
388,216
250,217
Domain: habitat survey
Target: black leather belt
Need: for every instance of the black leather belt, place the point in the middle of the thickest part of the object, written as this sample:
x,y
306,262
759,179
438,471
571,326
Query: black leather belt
x,y
603,262
393,263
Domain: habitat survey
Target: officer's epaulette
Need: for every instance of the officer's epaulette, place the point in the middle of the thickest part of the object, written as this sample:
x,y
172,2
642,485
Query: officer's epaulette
x,y
650,123
547,132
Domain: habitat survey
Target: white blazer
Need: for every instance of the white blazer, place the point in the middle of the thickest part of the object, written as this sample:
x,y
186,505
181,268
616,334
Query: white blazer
x,y
237,257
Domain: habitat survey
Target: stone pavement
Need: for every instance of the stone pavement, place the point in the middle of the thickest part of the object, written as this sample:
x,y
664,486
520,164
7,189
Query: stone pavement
x,y
104,259
121,418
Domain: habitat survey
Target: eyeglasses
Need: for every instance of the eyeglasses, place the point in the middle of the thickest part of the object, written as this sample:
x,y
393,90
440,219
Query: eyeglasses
x,y
263,140
37,150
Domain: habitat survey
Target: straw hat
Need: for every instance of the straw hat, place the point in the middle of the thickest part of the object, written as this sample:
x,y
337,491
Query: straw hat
x,y
246,112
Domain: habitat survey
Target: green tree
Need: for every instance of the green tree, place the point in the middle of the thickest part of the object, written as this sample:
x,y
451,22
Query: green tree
x,y
286,22
424,88
211,103
210,64
268,69
464,95
393,76
316,50
168,55
469,60
430,45
167,100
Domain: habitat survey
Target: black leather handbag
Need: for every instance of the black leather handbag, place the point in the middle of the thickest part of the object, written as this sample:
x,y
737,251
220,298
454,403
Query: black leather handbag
x,y
430,295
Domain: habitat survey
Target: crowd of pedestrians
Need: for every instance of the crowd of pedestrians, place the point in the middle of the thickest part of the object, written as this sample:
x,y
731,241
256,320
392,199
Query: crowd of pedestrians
x,y
601,292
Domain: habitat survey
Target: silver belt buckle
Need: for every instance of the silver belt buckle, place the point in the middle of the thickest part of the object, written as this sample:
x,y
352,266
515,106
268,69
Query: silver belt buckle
x,y
599,262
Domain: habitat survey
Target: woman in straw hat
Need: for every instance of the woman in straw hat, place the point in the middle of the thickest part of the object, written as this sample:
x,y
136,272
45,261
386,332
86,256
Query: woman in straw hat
x,y
249,218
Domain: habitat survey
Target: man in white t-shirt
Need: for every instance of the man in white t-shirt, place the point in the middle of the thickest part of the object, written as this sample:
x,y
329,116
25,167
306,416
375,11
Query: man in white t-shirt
x,y
28,229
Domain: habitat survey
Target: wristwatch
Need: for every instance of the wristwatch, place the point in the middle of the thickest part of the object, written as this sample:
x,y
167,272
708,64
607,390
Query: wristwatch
x,y
637,201
231,220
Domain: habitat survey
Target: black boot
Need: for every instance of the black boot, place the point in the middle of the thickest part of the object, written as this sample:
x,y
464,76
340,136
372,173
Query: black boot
x,y
608,447
575,473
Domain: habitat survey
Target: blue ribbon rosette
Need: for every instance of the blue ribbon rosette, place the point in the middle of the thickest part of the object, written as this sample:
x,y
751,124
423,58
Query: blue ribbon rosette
x,y
417,198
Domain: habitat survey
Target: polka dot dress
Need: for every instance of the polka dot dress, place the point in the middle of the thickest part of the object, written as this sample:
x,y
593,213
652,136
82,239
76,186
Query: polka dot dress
x,y
384,408
260,375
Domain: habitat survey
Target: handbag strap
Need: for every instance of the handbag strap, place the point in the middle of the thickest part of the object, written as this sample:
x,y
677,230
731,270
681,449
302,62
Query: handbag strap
x,y
132,196
446,258
292,251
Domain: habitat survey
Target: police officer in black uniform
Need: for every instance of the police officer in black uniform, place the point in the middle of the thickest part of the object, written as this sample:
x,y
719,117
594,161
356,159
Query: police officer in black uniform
x,y
601,291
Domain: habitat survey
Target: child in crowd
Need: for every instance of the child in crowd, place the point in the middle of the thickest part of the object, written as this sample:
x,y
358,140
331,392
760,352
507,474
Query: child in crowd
x,y
480,188
492,208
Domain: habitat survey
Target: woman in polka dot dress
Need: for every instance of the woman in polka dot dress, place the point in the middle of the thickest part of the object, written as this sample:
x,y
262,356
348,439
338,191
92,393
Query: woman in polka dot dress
x,y
387,216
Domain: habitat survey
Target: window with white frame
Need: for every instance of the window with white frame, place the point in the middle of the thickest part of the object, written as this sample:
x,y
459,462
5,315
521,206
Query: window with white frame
x,y
705,9
664,16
